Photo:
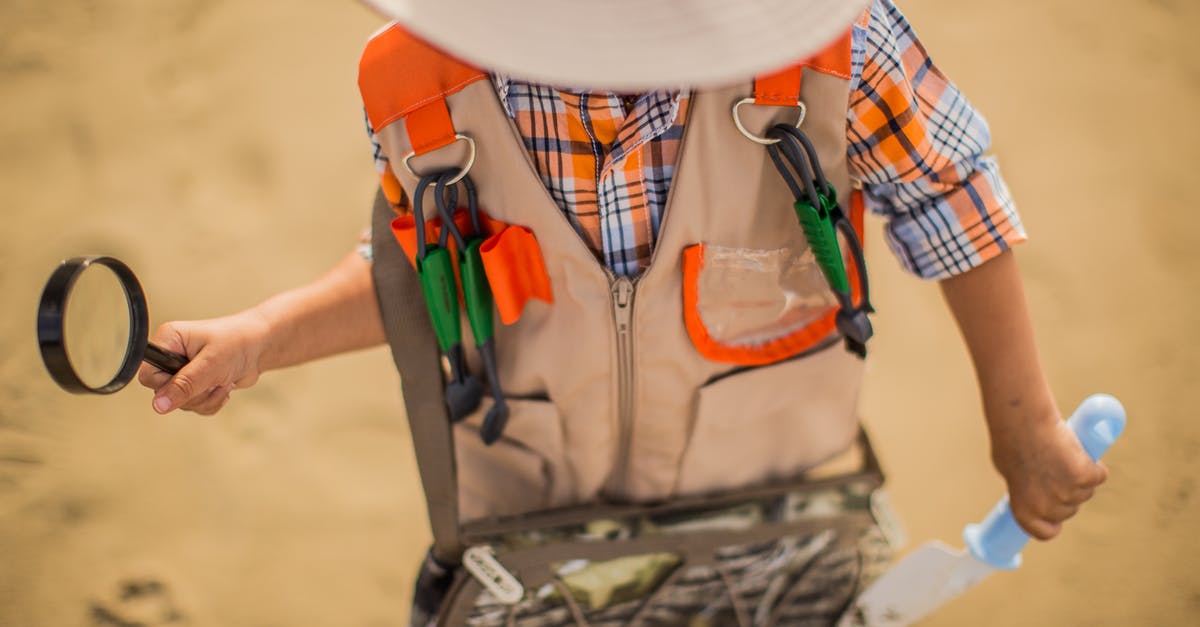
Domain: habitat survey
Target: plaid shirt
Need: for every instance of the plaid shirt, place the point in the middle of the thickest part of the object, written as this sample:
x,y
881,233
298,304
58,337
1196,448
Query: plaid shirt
x,y
915,143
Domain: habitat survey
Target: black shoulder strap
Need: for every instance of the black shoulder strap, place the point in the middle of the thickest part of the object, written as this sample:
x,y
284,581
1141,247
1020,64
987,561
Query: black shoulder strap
x,y
414,350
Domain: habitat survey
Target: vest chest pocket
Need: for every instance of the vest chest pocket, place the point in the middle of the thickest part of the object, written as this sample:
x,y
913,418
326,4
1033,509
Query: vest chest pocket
x,y
525,470
753,307
771,423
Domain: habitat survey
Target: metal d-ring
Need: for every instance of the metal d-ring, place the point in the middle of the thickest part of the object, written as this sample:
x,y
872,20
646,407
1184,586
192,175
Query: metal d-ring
x,y
461,173
737,119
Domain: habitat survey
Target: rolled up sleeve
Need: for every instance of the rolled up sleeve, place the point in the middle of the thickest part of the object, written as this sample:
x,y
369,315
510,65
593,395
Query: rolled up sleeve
x,y
918,148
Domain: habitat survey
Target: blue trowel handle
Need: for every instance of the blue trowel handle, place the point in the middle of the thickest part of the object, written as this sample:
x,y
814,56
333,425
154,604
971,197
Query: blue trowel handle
x,y
998,540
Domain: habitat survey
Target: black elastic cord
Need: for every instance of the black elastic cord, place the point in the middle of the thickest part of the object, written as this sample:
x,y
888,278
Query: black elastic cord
x,y
785,172
809,149
473,206
419,213
446,197
860,262
793,153
792,149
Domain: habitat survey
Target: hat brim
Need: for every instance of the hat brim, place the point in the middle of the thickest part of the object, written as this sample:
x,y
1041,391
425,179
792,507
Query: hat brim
x,y
627,45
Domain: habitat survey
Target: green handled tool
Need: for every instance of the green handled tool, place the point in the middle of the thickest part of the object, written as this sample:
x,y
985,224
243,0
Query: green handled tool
x,y
822,219
435,270
818,227
477,295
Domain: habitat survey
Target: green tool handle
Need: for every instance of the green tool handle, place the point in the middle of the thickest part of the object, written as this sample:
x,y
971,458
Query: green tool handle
x,y
822,238
477,293
436,273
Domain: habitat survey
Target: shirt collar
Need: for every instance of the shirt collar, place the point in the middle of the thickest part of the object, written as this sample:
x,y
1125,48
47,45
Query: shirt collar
x,y
503,82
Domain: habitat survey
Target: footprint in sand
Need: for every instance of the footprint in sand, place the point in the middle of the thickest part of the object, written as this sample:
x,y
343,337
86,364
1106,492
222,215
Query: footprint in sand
x,y
142,602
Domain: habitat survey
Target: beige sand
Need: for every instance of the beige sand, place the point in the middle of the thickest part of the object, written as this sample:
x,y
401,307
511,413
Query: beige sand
x,y
218,148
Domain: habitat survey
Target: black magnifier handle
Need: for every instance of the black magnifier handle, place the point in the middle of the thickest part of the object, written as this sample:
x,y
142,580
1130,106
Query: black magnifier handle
x,y
169,362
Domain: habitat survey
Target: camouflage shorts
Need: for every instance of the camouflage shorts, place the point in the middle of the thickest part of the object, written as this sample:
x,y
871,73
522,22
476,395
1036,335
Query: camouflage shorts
x,y
805,576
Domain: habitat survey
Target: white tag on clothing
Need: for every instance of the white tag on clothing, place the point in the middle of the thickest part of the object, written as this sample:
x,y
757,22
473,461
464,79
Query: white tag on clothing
x,y
481,562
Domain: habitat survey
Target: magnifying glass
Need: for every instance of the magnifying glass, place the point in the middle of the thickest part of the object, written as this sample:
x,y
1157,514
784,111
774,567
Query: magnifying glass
x,y
93,326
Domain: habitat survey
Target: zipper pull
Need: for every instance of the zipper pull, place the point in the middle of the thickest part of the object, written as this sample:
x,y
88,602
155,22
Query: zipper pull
x,y
481,562
622,292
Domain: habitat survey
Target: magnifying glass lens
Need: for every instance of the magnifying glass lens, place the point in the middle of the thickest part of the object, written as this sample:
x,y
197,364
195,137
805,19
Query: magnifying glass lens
x,y
92,326
96,326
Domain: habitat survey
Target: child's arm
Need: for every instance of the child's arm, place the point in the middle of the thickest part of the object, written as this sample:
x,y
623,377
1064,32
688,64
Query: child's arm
x,y
1048,474
334,314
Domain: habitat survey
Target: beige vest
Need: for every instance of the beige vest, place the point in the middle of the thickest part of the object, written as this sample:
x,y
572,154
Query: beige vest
x,y
610,398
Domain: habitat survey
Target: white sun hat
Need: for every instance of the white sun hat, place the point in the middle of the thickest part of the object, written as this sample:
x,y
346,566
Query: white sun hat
x,y
627,45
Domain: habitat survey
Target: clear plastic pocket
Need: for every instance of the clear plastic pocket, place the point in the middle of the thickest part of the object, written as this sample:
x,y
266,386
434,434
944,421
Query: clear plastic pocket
x,y
752,307
748,297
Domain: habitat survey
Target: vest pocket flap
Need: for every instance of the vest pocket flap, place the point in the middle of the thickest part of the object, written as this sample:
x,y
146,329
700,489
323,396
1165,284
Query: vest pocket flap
x,y
516,271
525,470
754,307
771,423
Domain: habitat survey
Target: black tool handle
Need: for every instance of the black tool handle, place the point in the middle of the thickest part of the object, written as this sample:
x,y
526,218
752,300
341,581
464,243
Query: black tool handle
x,y
169,362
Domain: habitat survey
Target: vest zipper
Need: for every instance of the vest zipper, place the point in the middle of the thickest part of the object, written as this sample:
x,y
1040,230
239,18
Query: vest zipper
x,y
623,293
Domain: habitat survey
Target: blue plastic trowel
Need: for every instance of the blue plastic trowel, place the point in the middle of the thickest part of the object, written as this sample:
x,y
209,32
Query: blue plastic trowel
x,y
936,573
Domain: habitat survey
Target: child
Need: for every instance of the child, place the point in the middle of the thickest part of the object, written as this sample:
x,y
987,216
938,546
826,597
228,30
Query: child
x,y
656,374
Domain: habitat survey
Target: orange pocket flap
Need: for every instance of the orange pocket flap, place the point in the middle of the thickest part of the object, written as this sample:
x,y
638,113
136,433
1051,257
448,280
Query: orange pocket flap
x,y
404,229
516,271
490,226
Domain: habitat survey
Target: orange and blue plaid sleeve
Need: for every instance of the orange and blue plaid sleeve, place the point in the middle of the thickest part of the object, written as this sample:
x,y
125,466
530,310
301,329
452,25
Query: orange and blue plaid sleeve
x,y
917,145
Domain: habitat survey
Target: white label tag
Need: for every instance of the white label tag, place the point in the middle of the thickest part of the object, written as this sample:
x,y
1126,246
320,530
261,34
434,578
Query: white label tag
x,y
481,562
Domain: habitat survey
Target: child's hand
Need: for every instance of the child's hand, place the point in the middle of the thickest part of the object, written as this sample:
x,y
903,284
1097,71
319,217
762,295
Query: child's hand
x,y
1048,474
224,354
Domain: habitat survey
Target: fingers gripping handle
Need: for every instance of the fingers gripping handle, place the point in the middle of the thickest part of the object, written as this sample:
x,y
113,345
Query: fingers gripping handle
x,y
998,540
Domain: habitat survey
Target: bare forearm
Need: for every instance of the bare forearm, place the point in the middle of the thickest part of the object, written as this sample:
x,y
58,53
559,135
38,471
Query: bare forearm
x,y
1048,474
989,305
334,314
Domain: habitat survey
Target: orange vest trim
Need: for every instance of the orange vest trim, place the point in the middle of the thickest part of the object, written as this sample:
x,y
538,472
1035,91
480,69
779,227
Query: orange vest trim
x,y
402,76
393,191
858,213
782,88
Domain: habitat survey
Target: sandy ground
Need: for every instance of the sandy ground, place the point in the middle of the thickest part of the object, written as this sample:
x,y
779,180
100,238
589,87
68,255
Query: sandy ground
x,y
217,147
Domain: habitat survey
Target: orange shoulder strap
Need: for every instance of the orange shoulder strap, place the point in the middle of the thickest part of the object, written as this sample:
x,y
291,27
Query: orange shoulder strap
x,y
782,88
402,76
